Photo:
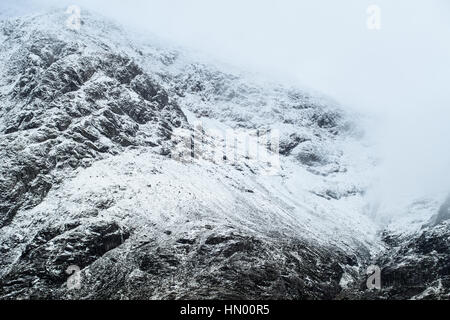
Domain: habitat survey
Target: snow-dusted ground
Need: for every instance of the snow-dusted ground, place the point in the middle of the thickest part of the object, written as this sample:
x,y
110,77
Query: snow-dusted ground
x,y
299,192
318,193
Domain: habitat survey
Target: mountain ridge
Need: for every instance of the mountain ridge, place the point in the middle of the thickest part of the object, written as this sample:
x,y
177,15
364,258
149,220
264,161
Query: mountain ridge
x,y
89,128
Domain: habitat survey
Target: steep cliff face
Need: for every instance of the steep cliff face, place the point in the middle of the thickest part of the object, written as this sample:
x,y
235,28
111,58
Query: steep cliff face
x,y
413,266
64,106
91,177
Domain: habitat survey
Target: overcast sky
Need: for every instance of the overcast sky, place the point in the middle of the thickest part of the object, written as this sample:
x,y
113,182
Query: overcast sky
x,y
399,72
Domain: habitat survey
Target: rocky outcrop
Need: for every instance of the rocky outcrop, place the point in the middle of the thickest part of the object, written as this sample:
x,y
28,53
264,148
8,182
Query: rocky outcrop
x,y
88,121
69,108
419,266
42,266
413,267
222,266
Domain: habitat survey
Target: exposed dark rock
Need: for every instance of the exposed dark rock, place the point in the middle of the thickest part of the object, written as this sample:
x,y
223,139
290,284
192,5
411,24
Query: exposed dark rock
x,y
311,156
415,267
43,264
75,103
327,120
238,268
286,146
67,103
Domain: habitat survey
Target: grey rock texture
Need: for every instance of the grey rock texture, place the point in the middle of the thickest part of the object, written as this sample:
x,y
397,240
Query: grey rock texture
x,y
68,108
413,267
88,126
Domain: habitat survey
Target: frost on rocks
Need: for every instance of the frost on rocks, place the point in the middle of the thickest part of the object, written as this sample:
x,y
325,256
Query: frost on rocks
x,y
90,143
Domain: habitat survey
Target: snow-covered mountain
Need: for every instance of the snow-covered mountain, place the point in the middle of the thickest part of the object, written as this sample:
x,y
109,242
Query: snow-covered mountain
x,y
92,125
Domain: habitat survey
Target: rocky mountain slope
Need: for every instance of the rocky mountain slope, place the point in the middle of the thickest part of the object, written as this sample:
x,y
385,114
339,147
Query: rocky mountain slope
x,y
92,125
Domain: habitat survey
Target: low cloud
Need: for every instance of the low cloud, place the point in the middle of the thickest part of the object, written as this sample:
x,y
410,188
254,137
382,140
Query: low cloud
x,y
399,73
